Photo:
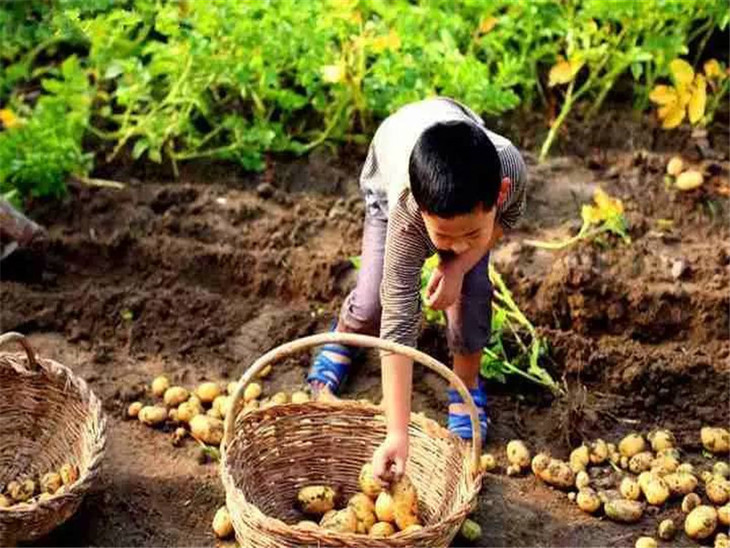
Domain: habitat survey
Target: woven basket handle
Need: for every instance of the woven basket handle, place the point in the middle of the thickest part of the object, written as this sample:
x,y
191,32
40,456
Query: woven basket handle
x,y
11,337
352,339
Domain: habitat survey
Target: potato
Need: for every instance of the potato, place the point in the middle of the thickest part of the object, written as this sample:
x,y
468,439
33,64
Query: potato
x,y
685,468
368,483
540,462
641,462
306,524
69,473
412,528
222,526
207,429
615,458
675,166
384,509
178,436
152,415
689,180
680,483
646,542
252,392
222,404
582,480
488,462
517,453
187,410
599,452
160,385
4,501
382,529
656,491
661,440
572,495
471,530
701,522
706,476
175,395
667,530
630,489
316,499
588,500
624,511
22,491
280,398
718,491
300,397
341,521
51,482
208,392
133,409
631,445
44,497
664,465
513,470
721,468
265,372
715,440
723,514
195,400
644,478
404,494
558,474
722,541
364,509
579,458
671,452
231,388
213,412
690,502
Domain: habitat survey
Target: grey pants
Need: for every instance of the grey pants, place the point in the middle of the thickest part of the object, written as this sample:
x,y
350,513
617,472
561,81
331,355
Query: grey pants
x,y
468,320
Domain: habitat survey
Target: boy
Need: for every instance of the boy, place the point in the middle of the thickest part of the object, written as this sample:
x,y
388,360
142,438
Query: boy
x,y
435,181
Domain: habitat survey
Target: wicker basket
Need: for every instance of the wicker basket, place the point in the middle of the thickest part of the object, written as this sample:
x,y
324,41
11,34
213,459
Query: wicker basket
x,y
269,454
48,417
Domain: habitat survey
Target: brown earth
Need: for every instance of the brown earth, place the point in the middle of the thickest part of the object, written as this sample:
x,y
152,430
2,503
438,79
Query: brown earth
x,y
198,278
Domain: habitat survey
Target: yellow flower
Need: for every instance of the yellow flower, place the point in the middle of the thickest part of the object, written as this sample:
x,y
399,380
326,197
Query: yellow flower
x,y
688,97
9,119
390,41
487,24
564,71
609,207
713,69
333,74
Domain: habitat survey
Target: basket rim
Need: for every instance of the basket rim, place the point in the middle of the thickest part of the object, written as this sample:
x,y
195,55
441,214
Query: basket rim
x,y
269,522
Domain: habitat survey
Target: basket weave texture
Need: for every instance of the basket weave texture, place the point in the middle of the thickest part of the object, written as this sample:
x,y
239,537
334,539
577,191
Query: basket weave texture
x,y
48,417
269,454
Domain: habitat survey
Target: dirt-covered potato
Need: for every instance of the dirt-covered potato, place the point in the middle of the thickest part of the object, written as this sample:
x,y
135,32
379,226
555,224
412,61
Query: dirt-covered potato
x,y
656,491
630,489
666,530
178,436
599,452
723,514
341,521
280,398
152,415
412,528
664,464
384,509
316,499
134,409
367,481
382,529
646,542
300,397
175,395
588,500
160,385
701,522
21,491
488,462
222,526
675,166
213,412
661,440
715,440
69,473
207,392
641,462
231,388
721,468
722,541
306,524
558,474
685,468
718,490
405,503
579,458
364,509
187,410
539,464
582,480
513,470
706,476
51,482
252,392
680,483
690,502
644,478
689,180
471,530
631,445
265,372
624,511
207,429
517,453
222,404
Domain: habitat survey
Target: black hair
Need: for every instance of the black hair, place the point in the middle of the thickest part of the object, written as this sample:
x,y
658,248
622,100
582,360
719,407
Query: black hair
x,y
454,167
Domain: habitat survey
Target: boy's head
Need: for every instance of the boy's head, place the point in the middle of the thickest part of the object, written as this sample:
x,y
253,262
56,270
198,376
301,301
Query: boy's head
x,y
456,180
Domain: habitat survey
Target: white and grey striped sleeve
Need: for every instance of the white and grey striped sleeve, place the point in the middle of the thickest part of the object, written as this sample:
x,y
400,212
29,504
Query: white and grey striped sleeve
x,y
513,166
406,248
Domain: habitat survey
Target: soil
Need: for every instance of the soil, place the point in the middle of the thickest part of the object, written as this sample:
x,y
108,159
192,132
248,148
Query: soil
x,y
198,277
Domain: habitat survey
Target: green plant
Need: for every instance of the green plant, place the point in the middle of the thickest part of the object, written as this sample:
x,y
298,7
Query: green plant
x,y
605,217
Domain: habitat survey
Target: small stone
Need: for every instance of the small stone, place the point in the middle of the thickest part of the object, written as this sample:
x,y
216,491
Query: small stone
x,y
265,191
679,269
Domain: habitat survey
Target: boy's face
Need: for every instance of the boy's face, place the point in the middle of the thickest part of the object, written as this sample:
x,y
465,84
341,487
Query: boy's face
x,y
461,233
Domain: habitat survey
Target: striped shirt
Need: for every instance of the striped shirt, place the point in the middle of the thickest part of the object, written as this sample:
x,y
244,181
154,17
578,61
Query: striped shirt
x,y
386,185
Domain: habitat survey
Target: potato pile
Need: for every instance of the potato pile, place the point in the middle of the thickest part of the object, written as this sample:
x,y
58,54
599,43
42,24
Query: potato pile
x,y
201,411
651,474
26,491
376,511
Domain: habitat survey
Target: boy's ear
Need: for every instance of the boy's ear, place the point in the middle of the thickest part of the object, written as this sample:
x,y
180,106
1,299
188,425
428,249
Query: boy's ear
x,y
503,191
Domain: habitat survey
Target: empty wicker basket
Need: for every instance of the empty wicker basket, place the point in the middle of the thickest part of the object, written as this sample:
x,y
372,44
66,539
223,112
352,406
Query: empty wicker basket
x,y
48,417
269,454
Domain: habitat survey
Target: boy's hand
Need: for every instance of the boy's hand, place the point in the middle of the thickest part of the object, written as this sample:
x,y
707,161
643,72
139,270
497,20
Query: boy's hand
x,y
389,460
444,287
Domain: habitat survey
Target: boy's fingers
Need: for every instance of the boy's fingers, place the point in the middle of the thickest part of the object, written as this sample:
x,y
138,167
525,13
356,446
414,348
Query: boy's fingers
x,y
433,282
400,467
